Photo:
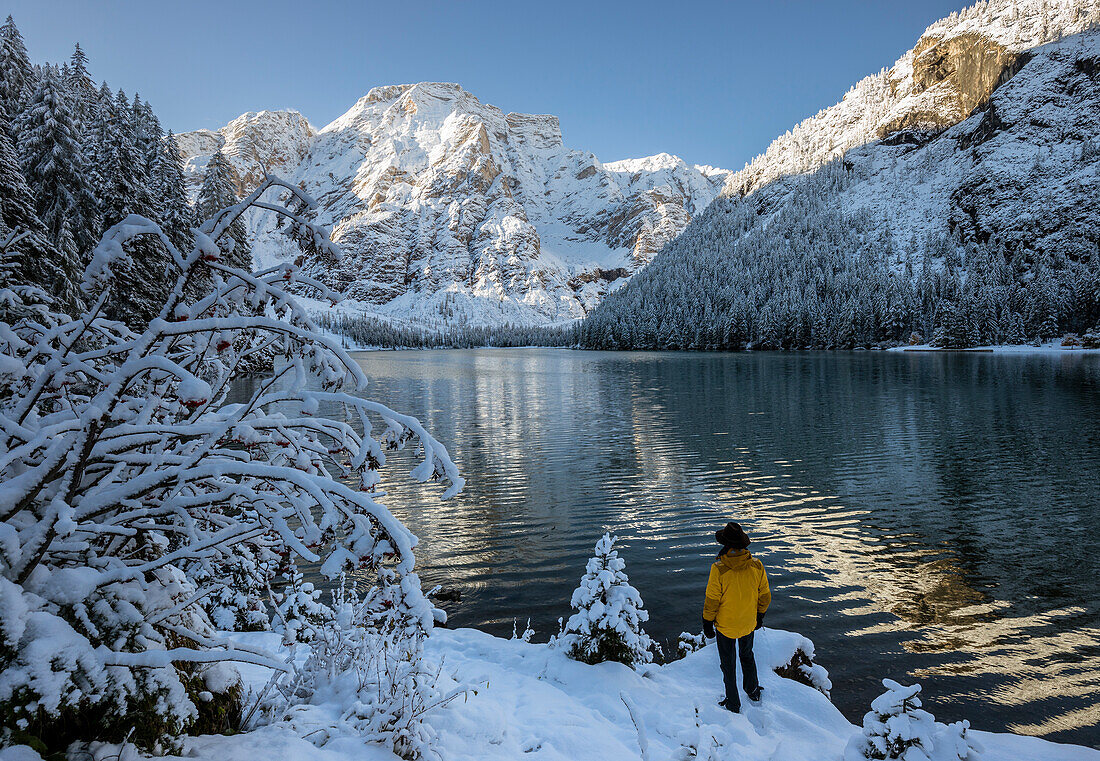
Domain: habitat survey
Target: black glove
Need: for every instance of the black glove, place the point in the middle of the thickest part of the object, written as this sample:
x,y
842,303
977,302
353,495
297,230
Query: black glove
x,y
759,620
708,629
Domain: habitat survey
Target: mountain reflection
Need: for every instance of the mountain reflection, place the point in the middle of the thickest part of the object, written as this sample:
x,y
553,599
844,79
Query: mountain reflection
x,y
924,517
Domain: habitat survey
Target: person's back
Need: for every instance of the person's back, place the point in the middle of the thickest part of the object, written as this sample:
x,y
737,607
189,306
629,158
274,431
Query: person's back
x,y
737,592
737,597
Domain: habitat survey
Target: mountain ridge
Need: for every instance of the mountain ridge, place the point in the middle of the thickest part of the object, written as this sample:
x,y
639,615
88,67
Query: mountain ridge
x,y
452,211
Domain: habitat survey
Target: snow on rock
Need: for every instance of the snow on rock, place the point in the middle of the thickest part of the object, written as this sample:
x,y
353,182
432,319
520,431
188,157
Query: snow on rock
x,y
953,69
255,144
452,212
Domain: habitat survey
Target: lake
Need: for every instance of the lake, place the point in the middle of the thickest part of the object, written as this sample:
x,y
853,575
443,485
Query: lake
x,y
924,517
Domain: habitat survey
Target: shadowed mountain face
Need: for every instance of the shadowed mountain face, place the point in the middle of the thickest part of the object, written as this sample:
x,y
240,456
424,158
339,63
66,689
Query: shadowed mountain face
x,y
451,211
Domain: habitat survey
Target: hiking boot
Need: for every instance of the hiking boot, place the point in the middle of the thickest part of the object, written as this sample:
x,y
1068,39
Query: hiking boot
x,y
754,696
732,709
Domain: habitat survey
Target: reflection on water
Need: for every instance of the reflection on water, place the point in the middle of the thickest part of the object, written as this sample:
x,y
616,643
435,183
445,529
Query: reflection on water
x,y
928,517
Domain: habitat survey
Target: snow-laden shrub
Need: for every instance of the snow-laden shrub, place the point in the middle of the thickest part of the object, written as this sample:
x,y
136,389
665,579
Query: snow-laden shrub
x,y
689,643
366,655
897,728
894,728
526,634
129,484
802,668
954,743
608,623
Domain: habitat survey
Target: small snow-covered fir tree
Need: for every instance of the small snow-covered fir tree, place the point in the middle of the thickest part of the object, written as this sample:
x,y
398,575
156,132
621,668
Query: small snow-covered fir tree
x,y
299,611
608,623
894,728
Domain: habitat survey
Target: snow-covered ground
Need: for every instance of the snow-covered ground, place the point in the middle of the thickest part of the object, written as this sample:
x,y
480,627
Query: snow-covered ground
x,y
531,702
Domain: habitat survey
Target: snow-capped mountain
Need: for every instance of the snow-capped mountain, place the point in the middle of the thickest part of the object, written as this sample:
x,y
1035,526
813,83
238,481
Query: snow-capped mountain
x,y
450,211
953,69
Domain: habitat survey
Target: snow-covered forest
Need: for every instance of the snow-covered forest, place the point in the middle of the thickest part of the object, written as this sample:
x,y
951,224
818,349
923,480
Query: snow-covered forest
x,y
369,332
75,160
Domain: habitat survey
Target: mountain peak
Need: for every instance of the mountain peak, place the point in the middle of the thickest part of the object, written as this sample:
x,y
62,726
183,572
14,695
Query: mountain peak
x,y
450,210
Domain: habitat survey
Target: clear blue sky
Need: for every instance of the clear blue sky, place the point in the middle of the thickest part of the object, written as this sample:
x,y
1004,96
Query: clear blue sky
x,y
713,82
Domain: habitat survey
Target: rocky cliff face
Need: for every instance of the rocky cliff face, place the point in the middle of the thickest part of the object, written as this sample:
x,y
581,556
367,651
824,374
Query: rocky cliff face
x,y
953,70
451,211
255,143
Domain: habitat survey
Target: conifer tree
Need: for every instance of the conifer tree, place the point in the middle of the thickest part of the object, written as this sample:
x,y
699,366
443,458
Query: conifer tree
x,y
608,623
27,260
894,728
217,192
55,169
170,191
80,85
121,182
16,74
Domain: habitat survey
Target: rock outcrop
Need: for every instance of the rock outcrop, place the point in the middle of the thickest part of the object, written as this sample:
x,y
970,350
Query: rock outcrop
x,y
255,144
451,211
954,68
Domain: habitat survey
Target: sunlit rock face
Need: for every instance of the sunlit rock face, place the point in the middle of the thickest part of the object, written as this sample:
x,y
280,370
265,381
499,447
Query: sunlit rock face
x,y
952,70
255,144
451,211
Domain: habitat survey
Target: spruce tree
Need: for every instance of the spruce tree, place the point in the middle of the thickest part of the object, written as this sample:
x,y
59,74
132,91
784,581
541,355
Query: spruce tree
x,y
81,86
16,74
608,623
123,188
54,166
170,191
29,261
216,193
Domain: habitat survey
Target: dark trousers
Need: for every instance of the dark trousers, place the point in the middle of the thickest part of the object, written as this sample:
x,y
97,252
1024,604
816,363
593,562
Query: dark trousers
x,y
729,667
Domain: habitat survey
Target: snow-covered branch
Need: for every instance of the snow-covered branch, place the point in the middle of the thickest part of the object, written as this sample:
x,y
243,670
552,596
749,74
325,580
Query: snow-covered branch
x,y
136,501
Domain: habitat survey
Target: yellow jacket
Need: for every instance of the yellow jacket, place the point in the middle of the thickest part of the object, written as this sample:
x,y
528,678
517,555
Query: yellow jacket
x,y
736,591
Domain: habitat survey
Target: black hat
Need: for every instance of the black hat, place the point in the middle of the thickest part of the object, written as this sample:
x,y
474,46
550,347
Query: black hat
x,y
732,536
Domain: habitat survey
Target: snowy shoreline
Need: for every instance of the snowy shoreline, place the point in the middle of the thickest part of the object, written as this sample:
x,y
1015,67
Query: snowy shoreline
x,y
1050,347
529,701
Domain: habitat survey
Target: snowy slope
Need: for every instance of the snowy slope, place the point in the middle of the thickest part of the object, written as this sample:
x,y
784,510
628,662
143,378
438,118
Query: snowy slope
x,y
1019,176
953,69
452,212
532,702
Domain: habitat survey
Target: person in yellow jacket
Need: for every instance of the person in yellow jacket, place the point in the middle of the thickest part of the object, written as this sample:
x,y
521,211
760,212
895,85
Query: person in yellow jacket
x,y
737,597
